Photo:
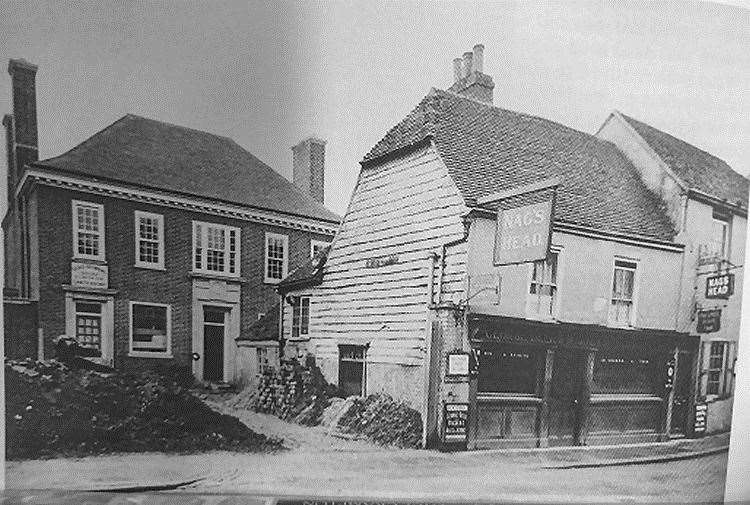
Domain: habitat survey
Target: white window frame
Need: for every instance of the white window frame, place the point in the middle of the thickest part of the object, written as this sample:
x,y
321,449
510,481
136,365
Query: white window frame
x,y
724,252
634,299
319,243
558,250
285,260
204,256
100,209
144,354
297,319
159,265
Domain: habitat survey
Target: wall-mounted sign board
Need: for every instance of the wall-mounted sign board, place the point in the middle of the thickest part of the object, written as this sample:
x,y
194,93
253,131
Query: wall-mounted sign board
x,y
88,275
720,286
458,364
709,321
523,233
456,415
701,412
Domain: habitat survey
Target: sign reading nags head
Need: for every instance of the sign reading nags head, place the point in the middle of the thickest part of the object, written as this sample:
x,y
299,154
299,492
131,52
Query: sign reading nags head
x,y
523,233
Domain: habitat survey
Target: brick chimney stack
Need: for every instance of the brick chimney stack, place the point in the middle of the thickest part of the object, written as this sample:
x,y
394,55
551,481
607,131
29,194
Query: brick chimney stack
x,y
469,79
308,158
21,126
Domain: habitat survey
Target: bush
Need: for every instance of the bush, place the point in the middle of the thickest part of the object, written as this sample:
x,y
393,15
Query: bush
x,y
383,420
54,410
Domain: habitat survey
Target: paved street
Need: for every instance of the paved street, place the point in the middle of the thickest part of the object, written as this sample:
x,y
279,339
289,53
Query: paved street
x,y
383,474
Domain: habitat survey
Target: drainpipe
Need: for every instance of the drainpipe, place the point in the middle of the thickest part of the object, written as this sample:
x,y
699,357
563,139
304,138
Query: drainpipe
x,y
443,251
281,326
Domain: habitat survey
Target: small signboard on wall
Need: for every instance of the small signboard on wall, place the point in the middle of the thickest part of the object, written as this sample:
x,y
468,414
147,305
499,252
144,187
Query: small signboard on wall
x,y
700,424
87,275
458,364
709,321
456,416
720,286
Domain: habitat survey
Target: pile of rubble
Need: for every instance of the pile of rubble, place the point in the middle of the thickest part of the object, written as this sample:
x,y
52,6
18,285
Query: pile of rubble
x,y
53,409
383,420
294,392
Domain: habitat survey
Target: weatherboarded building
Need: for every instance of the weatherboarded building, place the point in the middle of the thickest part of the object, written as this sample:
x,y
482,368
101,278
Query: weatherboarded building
x,y
152,244
590,344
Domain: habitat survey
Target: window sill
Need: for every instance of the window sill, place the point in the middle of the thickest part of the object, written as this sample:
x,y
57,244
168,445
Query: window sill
x,y
146,266
542,319
140,354
90,260
621,326
271,281
218,277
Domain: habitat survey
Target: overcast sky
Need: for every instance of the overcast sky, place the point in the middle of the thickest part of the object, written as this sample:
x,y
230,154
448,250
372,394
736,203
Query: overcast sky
x,y
269,75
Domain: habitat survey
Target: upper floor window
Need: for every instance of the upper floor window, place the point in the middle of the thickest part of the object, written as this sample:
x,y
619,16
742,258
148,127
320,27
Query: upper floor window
x,y
542,299
149,240
301,317
623,291
88,230
277,257
718,247
216,249
316,246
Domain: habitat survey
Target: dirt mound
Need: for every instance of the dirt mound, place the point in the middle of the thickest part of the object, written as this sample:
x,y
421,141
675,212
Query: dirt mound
x,y
53,410
383,420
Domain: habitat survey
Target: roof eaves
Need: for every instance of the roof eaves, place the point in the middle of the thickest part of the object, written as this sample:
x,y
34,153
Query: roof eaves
x,y
423,141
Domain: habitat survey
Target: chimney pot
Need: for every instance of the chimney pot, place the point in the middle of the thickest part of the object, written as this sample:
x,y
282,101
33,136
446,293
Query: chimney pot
x,y
478,58
457,72
467,63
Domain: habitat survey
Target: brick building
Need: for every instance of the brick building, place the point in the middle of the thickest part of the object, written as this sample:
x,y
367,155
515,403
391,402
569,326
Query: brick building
x,y
151,243
595,341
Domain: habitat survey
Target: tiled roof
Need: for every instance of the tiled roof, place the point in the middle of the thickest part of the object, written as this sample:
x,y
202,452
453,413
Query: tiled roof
x,y
309,273
697,168
488,149
157,155
265,328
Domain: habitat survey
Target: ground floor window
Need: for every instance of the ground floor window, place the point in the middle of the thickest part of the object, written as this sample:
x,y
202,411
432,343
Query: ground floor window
x,y
508,368
352,369
262,355
88,324
625,372
718,366
149,329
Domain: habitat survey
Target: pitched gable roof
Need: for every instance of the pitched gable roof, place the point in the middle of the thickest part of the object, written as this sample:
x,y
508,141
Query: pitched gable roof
x,y
488,149
157,155
697,168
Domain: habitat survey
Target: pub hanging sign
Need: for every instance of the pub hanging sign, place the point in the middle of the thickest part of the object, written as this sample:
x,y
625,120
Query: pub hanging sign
x,y
709,321
720,286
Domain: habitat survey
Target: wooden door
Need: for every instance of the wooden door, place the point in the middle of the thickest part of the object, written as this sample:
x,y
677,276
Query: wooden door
x,y
213,344
565,398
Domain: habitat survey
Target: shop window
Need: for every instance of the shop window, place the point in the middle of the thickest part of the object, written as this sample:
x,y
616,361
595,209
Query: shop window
x,y
88,320
150,329
719,368
300,316
88,230
623,290
542,297
149,240
509,369
352,369
216,249
317,246
625,372
276,257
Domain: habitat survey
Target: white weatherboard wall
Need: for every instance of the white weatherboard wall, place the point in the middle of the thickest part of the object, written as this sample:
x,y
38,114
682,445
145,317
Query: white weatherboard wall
x,y
404,208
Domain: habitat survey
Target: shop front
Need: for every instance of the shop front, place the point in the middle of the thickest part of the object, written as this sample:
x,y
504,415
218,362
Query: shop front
x,y
557,384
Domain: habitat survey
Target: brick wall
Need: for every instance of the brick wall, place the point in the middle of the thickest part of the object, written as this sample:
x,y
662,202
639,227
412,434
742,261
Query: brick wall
x,y
172,286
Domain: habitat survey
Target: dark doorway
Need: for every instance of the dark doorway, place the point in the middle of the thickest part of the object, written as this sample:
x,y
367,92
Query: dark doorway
x,y
351,369
214,322
682,387
565,397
